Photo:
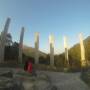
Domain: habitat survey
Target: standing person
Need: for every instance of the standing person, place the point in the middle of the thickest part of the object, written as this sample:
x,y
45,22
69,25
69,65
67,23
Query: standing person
x,y
26,65
30,67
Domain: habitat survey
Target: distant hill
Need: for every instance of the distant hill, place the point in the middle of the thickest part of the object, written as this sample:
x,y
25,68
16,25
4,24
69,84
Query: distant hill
x,y
74,52
74,55
29,51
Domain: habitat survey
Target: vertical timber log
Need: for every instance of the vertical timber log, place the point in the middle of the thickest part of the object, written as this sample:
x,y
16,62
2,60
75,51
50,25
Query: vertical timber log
x,y
21,45
3,39
66,51
83,61
51,42
36,48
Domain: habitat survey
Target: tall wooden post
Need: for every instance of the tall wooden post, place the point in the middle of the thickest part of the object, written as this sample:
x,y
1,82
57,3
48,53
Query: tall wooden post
x,y
83,61
3,39
21,45
51,42
66,51
36,48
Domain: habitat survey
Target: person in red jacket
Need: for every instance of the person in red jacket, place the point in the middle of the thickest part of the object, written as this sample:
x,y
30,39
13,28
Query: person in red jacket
x,y
30,67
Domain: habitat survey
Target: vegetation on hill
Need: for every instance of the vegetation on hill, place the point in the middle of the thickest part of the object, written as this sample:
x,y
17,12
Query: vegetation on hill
x,y
29,51
11,54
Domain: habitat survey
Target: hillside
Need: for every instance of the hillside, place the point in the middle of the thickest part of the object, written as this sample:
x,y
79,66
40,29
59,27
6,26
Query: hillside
x,y
74,52
29,51
74,55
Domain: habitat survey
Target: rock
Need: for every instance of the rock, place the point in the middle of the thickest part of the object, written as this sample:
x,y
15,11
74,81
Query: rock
x,y
8,74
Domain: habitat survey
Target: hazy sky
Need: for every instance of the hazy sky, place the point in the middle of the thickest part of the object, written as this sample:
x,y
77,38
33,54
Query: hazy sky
x,y
60,17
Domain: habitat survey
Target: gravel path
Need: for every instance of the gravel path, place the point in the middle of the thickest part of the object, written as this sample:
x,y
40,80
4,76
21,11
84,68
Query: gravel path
x,y
67,81
63,81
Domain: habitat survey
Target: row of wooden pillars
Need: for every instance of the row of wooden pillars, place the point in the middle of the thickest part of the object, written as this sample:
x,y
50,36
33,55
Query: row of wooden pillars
x,y
51,42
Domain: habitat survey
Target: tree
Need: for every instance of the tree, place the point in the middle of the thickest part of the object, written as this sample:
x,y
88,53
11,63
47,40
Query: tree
x,y
8,40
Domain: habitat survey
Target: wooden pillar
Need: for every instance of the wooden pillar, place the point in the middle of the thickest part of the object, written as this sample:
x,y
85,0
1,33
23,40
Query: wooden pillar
x,y
51,42
21,45
3,39
83,61
36,48
66,51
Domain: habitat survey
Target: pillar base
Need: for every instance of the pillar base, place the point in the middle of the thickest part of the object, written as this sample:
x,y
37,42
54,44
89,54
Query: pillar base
x,y
83,63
